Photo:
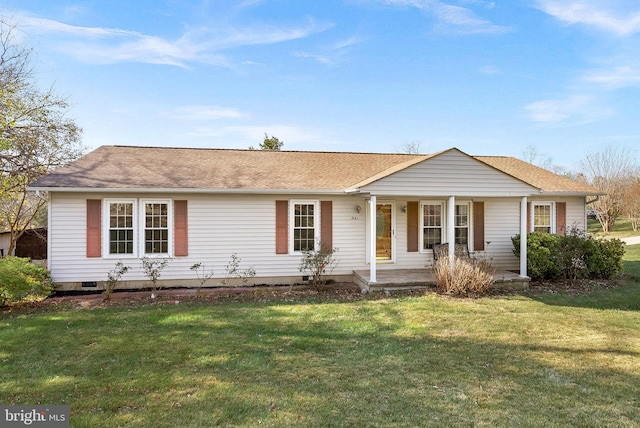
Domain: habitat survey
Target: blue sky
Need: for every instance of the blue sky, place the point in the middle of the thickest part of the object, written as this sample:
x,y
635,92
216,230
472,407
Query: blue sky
x,y
487,77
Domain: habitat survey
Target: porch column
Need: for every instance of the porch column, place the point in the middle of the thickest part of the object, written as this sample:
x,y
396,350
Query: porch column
x,y
523,237
372,239
451,226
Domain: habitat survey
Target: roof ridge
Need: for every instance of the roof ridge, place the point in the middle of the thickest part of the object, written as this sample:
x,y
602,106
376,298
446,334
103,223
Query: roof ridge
x,y
262,151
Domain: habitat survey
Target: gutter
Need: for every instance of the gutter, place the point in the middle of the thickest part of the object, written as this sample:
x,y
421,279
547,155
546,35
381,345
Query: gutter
x,y
186,190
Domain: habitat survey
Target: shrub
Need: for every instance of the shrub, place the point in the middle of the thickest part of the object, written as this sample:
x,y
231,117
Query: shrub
x,y
542,253
201,273
22,280
571,257
152,268
113,278
571,253
604,261
463,276
234,275
317,264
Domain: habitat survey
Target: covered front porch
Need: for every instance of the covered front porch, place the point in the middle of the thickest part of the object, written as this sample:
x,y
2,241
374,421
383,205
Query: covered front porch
x,y
412,279
449,222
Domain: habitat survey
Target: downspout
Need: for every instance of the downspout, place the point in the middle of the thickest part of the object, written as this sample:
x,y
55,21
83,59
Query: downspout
x,y
49,217
596,199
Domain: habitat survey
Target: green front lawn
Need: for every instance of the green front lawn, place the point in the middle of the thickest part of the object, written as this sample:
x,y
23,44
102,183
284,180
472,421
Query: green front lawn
x,y
621,229
551,360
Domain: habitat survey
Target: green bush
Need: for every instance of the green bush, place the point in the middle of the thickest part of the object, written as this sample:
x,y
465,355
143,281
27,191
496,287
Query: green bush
x,y
571,257
572,253
605,259
542,255
21,280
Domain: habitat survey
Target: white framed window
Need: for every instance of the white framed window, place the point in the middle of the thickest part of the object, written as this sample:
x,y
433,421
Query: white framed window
x,y
156,227
304,225
433,223
542,217
119,228
462,223
136,228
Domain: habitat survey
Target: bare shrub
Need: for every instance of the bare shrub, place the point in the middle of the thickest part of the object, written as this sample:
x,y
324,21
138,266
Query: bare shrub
x,y
463,276
234,275
114,277
318,264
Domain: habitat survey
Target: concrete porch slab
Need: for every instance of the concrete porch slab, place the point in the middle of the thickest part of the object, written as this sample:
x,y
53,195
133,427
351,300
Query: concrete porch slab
x,y
424,278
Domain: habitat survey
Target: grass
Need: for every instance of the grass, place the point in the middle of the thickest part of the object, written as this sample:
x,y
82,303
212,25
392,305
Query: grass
x,y
622,228
552,360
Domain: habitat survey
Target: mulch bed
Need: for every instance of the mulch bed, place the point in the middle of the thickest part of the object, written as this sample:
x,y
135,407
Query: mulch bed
x,y
339,292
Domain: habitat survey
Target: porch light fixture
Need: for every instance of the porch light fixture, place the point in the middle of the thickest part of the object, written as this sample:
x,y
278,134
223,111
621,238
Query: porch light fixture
x,y
358,208
404,208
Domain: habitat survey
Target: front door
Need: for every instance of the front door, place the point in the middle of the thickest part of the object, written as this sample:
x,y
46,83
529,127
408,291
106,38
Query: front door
x,y
384,231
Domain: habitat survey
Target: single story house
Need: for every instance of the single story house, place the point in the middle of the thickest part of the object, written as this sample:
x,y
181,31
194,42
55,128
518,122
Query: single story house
x,y
380,211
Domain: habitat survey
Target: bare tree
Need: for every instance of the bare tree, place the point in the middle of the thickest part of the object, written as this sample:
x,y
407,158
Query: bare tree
x,y
411,148
35,135
533,156
612,170
631,204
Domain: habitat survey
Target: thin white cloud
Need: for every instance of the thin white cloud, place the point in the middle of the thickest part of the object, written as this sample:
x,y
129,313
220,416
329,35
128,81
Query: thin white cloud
x,y
612,16
205,45
572,109
490,69
460,20
48,25
203,113
617,77
333,54
452,19
322,59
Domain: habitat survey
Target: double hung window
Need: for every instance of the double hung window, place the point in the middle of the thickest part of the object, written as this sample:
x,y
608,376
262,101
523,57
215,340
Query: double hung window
x,y
433,222
121,233
137,235
305,225
542,215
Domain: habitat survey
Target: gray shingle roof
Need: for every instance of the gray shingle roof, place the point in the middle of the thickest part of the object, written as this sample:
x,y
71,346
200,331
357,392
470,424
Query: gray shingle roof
x,y
129,167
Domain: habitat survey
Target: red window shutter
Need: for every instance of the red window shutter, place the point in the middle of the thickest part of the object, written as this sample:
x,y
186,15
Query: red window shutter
x,y
413,217
282,227
180,228
326,224
478,226
561,218
94,223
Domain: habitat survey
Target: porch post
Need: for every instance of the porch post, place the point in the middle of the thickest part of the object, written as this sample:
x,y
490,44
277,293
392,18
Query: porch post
x,y
372,239
451,227
523,237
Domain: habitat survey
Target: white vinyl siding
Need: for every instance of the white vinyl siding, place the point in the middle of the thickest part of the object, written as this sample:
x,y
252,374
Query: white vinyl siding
x,y
221,225
450,173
